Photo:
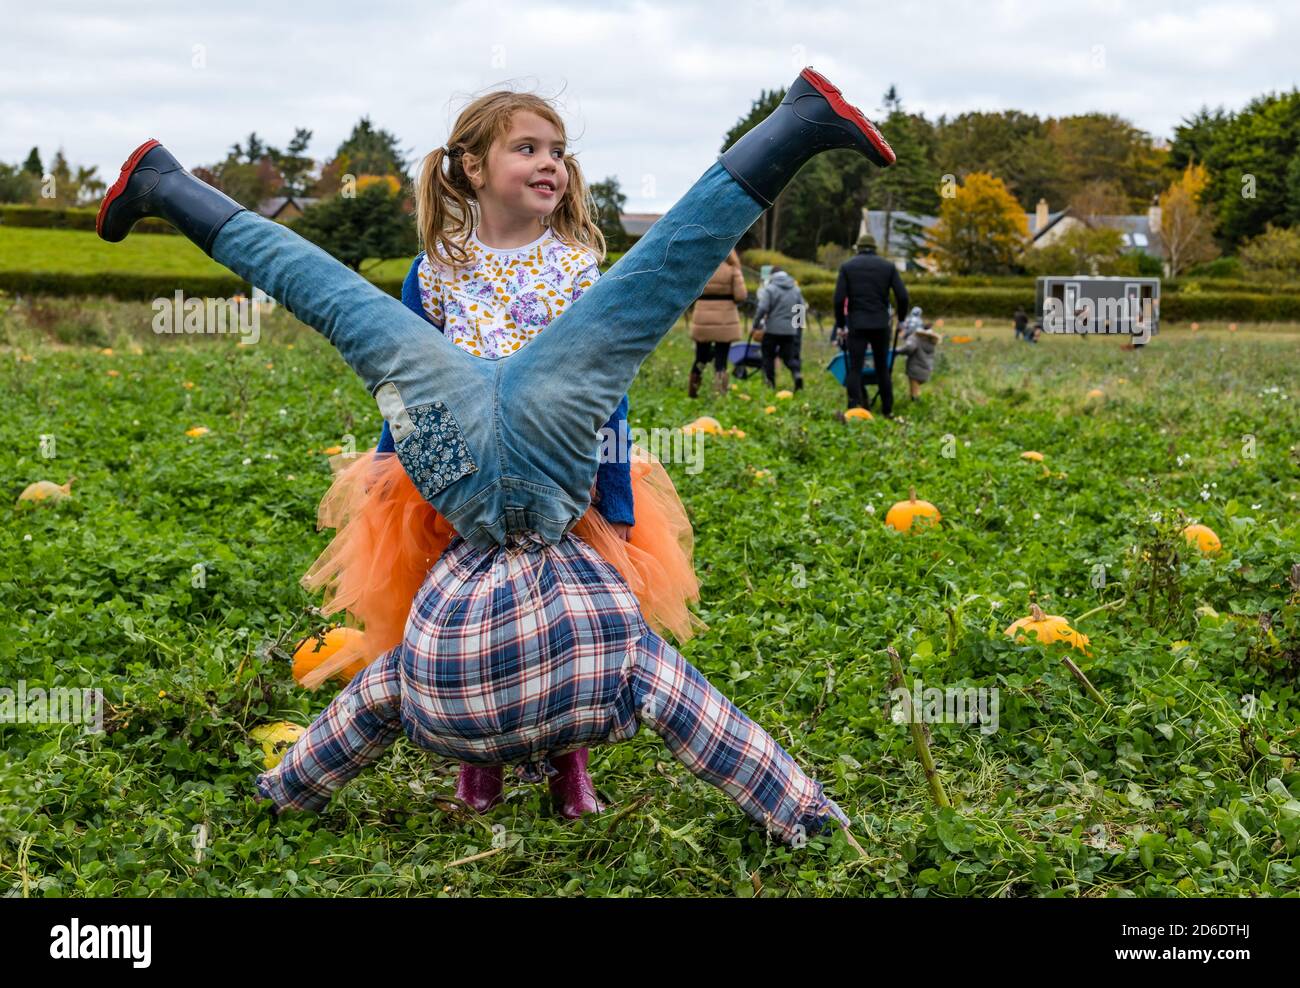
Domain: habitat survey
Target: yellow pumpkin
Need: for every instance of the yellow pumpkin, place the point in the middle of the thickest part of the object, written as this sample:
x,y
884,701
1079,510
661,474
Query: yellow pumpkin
x,y
784,394
909,515
332,450
46,490
198,430
1203,537
1032,454
769,409
276,739
1096,393
311,652
706,424
1047,628
857,413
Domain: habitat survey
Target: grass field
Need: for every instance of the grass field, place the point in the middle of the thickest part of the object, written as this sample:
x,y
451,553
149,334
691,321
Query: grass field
x,y
1183,783
24,249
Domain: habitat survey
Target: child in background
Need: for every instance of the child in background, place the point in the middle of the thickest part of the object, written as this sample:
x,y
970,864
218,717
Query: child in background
x,y
919,345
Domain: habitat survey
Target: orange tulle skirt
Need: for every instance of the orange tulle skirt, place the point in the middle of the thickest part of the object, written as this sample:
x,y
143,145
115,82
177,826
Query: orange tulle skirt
x,y
389,538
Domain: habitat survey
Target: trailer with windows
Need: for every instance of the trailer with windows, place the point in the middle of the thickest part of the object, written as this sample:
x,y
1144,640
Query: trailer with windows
x,y
1095,304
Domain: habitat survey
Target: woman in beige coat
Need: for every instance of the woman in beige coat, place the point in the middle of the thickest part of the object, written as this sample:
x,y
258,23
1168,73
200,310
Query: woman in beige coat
x,y
715,323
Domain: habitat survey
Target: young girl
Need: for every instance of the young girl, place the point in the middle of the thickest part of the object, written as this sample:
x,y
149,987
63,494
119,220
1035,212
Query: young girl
x,y
502,259
523,642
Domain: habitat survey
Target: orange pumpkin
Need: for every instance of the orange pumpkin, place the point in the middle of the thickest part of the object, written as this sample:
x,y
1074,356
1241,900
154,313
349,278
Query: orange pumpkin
x,y
857,413
1203,537
311,652
1032,454
909,515
1047,628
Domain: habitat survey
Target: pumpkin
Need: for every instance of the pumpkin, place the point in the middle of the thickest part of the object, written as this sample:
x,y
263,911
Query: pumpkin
x,y
312,651
960,339
1203,537
1032,454
46,490
979,323
706,424
769,409
1047,628
1096,393
275,740
857,413
332,450
782,395
198,430
912,514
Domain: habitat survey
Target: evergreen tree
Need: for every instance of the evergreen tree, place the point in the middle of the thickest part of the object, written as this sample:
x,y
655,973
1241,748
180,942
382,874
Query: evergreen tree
x,y
33,166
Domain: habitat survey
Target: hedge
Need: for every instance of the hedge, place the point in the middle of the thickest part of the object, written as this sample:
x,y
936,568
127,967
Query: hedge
x,y
69,219
127,286
939,301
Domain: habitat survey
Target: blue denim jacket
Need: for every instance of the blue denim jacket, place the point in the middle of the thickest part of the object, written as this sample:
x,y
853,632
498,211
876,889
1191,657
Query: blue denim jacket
x,y
503,446
613,478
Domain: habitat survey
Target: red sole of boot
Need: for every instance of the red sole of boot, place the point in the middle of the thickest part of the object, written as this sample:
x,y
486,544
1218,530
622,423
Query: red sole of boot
x,y
850,113
122,179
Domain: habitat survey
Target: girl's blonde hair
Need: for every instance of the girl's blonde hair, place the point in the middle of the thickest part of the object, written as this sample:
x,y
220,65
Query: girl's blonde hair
x,y
444,193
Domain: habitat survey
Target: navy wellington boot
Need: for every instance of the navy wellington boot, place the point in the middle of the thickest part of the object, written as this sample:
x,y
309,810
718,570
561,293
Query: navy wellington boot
x,y
814,117
153,183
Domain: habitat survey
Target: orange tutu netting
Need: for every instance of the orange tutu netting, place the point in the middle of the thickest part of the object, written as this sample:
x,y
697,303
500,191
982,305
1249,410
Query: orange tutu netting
x,y
389,538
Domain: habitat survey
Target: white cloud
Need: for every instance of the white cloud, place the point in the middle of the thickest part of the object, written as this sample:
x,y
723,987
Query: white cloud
x,y
648,89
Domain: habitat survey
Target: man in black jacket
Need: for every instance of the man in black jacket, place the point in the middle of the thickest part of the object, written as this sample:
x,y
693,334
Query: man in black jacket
x,y
865,282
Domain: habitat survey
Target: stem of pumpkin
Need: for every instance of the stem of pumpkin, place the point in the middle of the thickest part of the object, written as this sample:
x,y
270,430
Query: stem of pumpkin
x,y
911,491
1037,613
918,737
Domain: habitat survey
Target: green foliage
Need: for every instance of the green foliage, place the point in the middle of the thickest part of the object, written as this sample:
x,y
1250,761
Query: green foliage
x,y
1185,786
1080,250
610,202
371,224
1274,255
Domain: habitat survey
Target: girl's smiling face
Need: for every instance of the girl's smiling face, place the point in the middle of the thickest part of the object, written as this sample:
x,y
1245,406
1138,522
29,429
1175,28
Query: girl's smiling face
x,y
525,174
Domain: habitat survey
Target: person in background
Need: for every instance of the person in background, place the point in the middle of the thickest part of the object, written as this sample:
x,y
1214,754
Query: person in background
x,y
1022,323
919,345
862,319
780,317
714,322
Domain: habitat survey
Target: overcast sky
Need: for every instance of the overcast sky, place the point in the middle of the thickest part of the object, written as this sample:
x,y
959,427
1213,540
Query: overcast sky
x,y
648,89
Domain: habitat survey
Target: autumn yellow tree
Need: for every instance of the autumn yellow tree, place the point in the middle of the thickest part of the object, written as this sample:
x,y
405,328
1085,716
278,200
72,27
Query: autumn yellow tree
x,y
1185,225
981,230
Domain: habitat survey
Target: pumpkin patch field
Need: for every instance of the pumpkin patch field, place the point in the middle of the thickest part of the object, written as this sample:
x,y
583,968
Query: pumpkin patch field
x,y
1138,725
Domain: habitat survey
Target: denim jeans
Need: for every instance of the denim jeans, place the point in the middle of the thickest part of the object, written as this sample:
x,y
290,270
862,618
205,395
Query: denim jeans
x,y
509,445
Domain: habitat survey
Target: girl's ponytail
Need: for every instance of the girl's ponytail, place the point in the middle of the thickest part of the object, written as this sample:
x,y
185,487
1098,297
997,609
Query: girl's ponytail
x,y
443,212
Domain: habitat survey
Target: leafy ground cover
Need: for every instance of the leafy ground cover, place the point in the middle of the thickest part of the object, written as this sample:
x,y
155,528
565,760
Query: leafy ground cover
x,y
176,560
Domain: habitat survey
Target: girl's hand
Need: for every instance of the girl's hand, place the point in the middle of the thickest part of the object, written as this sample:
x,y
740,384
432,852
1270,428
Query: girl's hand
x,y
624,531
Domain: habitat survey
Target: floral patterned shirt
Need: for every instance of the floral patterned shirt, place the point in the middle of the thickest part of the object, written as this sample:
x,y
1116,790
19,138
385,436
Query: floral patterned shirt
x,y
506,296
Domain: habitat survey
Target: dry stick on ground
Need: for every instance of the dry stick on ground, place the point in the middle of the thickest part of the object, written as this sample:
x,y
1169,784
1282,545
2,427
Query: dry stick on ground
x,y
1085,681
918,736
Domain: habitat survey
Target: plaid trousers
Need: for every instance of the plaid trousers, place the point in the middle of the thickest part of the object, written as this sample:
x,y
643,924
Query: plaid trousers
x,y
516,653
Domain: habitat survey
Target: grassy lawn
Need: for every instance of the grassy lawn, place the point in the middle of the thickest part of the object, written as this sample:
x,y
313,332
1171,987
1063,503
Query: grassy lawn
x,y
1183,783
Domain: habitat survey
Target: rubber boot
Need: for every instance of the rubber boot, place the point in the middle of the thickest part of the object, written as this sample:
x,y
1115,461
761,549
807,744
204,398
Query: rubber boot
x,y
693,385
814,117
572,791
479,786
153,183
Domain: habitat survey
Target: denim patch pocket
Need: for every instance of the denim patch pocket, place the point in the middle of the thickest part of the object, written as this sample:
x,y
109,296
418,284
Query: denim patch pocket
x,y
434,453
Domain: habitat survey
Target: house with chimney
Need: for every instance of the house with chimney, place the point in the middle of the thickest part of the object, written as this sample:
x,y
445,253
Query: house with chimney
x,y
900,236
